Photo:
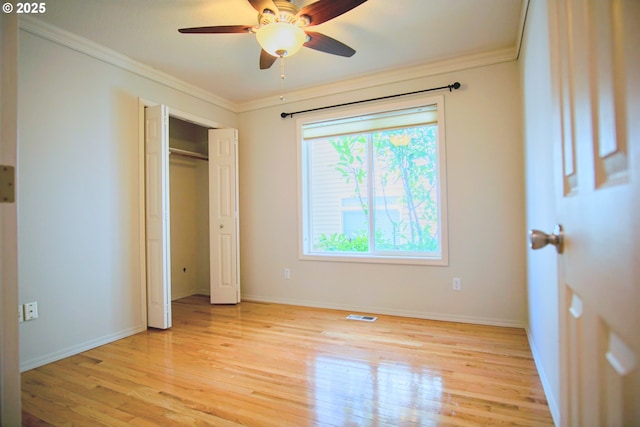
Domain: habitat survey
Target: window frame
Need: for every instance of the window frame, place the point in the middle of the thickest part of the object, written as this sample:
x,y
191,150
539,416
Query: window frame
x,y
360,110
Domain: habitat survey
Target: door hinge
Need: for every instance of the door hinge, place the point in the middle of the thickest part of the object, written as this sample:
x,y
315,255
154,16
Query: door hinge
x,y
7,184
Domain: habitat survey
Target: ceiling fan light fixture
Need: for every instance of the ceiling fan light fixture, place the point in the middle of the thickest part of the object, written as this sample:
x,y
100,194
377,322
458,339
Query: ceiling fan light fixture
x,y
281,38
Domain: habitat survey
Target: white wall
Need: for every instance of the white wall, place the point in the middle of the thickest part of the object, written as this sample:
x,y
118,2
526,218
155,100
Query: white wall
x,y
79,207
79,210
540,201
486,211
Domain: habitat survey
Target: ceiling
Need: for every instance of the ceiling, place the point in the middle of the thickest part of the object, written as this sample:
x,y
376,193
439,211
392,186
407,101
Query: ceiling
x,y
387,35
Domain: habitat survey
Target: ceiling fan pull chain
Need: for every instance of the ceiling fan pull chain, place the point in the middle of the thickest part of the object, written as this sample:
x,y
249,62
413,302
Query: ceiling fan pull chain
x,y
282,78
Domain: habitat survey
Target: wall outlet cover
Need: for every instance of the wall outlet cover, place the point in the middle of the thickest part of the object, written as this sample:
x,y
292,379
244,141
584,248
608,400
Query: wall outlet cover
x,y
31,311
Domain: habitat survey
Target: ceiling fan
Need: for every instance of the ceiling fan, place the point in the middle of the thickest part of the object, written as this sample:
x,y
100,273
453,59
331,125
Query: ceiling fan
x,y
281,28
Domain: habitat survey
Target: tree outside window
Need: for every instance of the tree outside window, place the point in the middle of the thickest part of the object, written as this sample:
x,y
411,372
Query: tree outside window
x,y
374,192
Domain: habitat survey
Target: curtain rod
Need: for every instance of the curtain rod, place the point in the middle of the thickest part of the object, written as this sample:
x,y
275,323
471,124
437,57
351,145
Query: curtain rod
x,y
452,86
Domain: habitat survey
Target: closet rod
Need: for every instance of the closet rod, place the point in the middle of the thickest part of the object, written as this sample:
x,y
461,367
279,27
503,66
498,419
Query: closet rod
x,y
186,153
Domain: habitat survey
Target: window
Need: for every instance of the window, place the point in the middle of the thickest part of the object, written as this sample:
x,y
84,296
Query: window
x,y
372,184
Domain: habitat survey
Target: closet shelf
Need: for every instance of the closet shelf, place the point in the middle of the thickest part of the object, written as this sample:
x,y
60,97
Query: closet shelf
x,y
186,153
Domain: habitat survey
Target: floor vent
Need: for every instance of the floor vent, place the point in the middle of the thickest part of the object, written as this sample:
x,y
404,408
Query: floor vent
x,y
361,318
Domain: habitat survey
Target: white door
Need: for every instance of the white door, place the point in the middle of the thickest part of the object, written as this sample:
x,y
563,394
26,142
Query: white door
x,y
223,216
596,57
157,217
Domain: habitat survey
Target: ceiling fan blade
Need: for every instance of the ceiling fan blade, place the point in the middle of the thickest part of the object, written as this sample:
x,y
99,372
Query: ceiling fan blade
x,y
261,5
219,29
266,60
324,10
326,44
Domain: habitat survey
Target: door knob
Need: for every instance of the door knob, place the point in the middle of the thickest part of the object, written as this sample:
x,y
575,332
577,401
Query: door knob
x,y
539,239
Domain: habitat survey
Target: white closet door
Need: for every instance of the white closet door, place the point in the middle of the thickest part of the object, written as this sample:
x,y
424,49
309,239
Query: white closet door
x,y
157,217
223,216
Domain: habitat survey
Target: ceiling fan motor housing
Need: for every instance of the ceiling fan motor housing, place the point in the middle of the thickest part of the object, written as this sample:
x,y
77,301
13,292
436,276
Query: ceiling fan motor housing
x,y
280,29
287,12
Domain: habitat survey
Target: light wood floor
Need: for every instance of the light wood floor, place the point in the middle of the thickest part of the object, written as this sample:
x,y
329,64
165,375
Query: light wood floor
x,y
277,365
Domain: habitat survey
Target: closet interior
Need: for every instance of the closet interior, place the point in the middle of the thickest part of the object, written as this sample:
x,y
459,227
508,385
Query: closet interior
x,y
189,208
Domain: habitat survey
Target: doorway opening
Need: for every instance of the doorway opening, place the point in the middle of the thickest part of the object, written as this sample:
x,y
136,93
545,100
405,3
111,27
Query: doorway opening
x,y
189,208
191,231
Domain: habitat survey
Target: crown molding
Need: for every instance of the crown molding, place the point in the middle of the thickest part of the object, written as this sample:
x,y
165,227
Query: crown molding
x,y
109,56
383,78
521,25
472,60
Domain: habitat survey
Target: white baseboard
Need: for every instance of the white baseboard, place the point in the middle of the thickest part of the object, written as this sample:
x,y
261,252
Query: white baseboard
x,y
554,408
190,293
204,291
72,351
392,312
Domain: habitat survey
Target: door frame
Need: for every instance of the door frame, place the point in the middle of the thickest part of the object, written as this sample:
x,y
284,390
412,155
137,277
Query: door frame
x,y
10,405
142,221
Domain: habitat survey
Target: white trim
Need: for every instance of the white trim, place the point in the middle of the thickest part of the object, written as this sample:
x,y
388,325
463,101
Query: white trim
x,y
521,26
386,77
10,404
401,259
142,219
188,293
172,112
77,349
87,47
546,385
359,110
204,291
197,120
109,56
391,312
184,294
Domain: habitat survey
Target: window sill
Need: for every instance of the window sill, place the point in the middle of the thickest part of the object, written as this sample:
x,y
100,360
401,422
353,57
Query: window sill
x,y
435,262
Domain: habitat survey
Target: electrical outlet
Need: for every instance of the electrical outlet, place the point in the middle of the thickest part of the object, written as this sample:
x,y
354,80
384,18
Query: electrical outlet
x,y
457,284
31,311
287,273
20,313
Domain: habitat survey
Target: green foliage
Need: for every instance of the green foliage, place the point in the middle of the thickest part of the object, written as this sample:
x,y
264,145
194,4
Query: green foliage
x,y
352,151
338,242
414,165
405,158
